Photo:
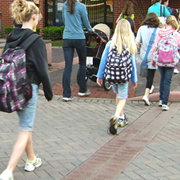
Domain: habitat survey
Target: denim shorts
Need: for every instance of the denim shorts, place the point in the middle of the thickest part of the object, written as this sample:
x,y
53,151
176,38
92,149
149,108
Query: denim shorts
x,y
121,90
27,115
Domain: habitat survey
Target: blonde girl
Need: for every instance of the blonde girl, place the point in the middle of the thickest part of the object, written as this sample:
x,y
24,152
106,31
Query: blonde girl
x,y
122,37
27,13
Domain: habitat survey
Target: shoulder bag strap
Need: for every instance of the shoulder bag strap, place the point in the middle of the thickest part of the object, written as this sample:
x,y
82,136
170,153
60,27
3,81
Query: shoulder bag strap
x,y
25,44
149,46
164,12
161,11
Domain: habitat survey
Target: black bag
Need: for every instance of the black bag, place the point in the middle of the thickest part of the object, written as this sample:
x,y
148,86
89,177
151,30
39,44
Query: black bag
x,y
118,67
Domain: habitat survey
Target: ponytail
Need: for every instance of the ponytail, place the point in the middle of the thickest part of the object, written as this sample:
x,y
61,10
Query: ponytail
x,y
22,10
171,20
71,6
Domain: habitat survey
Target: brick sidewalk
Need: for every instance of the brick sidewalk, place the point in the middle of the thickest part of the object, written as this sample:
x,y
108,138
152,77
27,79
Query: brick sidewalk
x,y
72,140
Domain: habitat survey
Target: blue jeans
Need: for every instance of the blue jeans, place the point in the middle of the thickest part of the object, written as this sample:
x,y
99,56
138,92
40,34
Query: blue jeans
x,y
165,83
68,47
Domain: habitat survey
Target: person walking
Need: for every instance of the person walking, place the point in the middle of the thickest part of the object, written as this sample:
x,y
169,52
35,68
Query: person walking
x,y
166,65
158,8
166,3
123,37
75,16
27,13
149,25
128,11
176,14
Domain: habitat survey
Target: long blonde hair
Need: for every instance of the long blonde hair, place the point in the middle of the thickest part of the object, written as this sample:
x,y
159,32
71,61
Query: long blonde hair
x,y
23,10
123,36
171,20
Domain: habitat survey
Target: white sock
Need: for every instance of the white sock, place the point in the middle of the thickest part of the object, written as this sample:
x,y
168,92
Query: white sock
x,y
122,117
117,115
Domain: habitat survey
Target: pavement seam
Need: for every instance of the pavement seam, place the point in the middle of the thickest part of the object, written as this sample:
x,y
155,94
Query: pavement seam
x,y
124,148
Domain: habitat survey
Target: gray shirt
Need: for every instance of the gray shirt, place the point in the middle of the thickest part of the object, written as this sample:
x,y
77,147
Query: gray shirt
x,y
143,37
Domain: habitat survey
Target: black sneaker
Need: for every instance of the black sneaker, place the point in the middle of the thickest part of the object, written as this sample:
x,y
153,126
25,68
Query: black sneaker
x,y
113,125
66,99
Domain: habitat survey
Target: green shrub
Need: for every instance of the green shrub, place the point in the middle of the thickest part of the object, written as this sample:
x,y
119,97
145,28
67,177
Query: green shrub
x,y
8,29
62,30
38,30
52,33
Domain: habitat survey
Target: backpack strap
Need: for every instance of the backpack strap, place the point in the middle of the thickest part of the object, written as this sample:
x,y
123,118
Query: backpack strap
x,y
164,12
25,44
161,11
149,46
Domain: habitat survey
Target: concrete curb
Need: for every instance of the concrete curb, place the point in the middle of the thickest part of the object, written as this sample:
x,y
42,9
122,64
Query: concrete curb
x,y
173,97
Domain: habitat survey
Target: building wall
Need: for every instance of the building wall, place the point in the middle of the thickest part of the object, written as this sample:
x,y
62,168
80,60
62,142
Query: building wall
x,y
118,8
7,20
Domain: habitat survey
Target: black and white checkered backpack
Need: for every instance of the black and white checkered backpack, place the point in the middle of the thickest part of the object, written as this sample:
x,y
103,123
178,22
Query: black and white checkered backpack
x,y
118,67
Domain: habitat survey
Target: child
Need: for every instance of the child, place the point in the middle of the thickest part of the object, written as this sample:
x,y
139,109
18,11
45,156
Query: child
x,y
27,13
176,14
128,11
122,36
143,37
166,70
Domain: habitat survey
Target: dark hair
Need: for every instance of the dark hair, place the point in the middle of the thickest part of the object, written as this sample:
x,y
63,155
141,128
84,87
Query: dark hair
x,y
151,20
163,1
176,13
128,8
130,20
154,1
71,6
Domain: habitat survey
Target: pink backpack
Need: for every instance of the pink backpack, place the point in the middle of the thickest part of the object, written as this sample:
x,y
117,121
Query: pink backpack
x,y
167,51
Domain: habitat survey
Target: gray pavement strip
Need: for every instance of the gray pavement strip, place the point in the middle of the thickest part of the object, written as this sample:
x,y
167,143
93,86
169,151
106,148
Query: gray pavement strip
x,y
65,133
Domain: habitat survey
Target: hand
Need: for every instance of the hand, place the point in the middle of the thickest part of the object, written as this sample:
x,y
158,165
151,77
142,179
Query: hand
x,y
134,85
154,63
99,81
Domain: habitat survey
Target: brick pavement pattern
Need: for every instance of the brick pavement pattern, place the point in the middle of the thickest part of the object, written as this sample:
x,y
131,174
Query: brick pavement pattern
x,y
72,140
65,134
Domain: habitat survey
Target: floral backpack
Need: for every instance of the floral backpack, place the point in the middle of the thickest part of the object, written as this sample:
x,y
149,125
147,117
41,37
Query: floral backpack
x,y
167,51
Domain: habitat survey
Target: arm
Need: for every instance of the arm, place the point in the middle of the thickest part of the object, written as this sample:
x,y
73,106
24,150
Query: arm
x,y
156,41
85,20
178,39
134,77
102,65
63,15
41,65
167,13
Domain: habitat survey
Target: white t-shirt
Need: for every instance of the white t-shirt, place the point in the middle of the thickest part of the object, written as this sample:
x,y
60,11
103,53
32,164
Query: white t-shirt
x,y
143,36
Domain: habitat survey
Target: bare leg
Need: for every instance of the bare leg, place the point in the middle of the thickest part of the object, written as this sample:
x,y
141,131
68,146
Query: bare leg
x,y
120,106
29,148
147,90
18,149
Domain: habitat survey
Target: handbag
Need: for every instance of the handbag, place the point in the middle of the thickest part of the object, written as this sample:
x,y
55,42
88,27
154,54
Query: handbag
x,y
143,66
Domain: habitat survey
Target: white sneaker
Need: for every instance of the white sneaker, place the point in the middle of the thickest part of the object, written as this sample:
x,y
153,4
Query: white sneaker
x,y
30,165
151,90
6,175
165,107
87,93
176,71
146,100
66,99
160,103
